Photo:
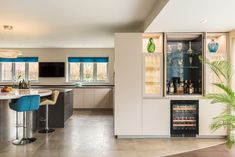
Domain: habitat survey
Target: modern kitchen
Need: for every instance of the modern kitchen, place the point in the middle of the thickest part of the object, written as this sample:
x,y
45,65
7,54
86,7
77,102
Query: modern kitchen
x,y
51,75
127,79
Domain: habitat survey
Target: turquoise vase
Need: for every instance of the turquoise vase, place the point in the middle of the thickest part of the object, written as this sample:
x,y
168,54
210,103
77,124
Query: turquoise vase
x,y
213,46
151,46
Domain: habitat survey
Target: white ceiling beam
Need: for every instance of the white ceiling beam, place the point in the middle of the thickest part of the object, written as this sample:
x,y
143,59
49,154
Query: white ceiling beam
x,y
158,6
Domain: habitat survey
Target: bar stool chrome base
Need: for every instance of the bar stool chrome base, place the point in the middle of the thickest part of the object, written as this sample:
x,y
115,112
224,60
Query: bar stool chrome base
x,y
24,141
45,131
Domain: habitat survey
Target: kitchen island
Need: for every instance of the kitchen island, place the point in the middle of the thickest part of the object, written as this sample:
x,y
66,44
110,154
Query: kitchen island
x,y
58,113
8,116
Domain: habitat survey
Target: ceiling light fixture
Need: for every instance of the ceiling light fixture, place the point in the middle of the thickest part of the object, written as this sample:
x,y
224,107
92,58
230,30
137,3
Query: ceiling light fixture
x,y
203,21
5,53
9,53
7,27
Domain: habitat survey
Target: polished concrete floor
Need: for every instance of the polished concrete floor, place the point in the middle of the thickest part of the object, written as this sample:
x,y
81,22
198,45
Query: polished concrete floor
x,y
216,151
90,134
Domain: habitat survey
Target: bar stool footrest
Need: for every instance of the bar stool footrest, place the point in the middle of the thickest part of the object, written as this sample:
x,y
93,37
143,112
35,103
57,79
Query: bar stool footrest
x,y
45,131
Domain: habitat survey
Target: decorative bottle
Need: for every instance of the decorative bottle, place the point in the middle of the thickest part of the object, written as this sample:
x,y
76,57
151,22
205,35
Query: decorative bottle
x,y
213,46
151,46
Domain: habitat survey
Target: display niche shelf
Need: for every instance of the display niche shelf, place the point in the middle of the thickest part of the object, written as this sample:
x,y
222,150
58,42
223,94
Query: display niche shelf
x,y
153,66
183,68
216,49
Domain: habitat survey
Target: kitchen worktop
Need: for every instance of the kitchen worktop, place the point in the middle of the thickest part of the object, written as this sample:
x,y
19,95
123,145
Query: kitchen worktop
x,y
63,88
17,93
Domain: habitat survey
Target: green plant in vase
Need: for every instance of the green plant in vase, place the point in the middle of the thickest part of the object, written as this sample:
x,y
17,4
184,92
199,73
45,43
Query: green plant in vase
x,y
223,70
151,45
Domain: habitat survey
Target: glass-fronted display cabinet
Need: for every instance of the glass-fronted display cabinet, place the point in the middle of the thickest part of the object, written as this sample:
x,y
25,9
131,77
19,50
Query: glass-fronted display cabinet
x,y
216,49
152,65
182,64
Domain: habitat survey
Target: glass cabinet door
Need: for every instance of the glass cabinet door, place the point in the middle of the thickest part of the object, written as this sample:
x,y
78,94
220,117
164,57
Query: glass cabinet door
x,y
183,66
152,75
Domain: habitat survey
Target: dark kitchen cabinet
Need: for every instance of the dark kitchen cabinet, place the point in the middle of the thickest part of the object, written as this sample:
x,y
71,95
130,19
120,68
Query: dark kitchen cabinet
x,y
58,113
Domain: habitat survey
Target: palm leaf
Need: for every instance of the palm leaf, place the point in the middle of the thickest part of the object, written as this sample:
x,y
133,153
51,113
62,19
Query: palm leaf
x,y
224,120
221,68
222,98
225,88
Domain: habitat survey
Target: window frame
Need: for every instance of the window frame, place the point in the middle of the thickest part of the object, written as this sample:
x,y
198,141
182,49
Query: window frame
x,y
81,72
13,71
94,80
107,68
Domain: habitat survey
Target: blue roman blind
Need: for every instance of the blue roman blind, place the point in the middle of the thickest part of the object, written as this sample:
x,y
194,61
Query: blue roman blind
x,y
20,59
88,59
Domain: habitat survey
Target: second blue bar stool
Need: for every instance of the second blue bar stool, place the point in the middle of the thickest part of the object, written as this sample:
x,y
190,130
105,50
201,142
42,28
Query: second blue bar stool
x,y
25,104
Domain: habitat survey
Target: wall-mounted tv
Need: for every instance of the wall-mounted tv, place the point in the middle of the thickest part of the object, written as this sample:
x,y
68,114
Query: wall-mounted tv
x,y
51,69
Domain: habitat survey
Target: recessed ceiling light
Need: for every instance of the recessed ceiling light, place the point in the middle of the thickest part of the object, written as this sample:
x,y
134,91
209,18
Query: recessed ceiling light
x,y
203,21
7,27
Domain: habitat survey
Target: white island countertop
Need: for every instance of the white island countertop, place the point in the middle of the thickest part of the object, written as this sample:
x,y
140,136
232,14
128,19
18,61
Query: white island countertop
x,y
17,93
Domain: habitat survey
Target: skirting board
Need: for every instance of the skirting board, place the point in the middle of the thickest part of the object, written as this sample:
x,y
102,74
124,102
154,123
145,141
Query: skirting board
x,y
143,136
212,136
168,136
93,109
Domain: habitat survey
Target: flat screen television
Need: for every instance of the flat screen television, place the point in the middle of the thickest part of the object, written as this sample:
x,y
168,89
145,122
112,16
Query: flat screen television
x,y
51,69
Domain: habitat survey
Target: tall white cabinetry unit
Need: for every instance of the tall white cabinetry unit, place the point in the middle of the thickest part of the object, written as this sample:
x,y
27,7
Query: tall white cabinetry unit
x,y
128,84
140,108
156,109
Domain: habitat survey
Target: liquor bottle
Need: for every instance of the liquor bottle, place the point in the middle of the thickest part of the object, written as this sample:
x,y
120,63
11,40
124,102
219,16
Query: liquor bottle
x,y
176,84
171,88
199,86
191,88
182,87
167,86
186,86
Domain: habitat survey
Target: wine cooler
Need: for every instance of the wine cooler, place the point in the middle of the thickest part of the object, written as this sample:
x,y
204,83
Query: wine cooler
x,y
184,118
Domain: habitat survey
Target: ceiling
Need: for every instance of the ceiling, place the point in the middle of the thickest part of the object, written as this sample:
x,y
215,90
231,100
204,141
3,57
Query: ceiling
x,y
188,16
69,23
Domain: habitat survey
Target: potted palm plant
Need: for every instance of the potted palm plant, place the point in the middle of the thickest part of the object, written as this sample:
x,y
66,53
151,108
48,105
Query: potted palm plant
x,y
223,70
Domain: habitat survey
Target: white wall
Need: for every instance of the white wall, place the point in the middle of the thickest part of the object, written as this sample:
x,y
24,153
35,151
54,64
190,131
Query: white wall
x,y
61,54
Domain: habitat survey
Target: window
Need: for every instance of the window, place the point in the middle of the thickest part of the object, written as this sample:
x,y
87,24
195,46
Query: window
x,y
88,69
23,67
102,71
20,70
74,71
6,71
33,71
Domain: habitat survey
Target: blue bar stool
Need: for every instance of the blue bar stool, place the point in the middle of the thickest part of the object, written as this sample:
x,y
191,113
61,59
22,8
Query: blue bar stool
x,y
24,104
